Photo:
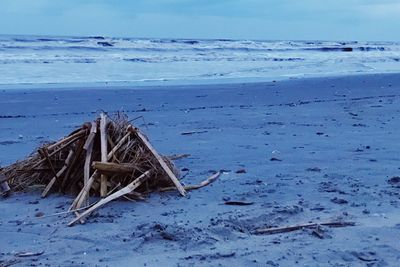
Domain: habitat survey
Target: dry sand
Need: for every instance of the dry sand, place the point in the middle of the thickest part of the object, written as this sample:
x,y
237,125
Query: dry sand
x,y
335,142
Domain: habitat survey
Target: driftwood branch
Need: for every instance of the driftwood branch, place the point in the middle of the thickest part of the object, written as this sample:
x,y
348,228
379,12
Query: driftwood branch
x,y
178,156
278,230
206,182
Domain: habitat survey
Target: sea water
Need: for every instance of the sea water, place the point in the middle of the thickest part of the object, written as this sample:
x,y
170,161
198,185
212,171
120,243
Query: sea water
x,y
41,60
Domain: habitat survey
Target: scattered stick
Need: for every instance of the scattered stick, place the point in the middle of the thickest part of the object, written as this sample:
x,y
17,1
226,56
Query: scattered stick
x,y
67,212
238,203
278,230
178,156
193,132
29,254
10,262
206,182
126,190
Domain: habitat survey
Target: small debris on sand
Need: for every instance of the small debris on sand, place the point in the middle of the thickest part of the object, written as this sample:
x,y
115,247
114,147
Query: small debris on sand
x,y
241,171
394,181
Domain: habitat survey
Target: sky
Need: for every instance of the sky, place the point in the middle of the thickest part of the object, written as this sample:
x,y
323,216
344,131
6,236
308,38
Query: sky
x,y
374,20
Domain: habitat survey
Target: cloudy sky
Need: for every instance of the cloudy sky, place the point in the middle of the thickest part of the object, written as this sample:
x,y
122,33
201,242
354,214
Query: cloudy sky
x,y
238,19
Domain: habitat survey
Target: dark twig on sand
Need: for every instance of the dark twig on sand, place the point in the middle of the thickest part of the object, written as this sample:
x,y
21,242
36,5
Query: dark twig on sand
x,y
279,230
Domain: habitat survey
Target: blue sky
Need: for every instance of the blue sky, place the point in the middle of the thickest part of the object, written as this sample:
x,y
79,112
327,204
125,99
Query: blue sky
x,y
238,19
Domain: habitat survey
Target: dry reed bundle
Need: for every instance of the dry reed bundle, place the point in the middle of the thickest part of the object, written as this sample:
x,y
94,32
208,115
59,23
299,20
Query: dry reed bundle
x,y
108,157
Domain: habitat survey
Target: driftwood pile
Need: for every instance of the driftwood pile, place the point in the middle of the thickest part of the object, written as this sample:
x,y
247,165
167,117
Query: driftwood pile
x,y
109,158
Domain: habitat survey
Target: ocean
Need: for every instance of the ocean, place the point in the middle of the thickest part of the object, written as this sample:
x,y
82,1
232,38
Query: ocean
x,y
43,60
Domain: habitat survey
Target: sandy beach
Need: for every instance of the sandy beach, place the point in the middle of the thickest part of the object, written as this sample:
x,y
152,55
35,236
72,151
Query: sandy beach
x,y
296,151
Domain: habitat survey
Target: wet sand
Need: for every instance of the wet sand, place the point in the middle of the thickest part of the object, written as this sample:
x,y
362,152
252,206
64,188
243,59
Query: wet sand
x,y
299,151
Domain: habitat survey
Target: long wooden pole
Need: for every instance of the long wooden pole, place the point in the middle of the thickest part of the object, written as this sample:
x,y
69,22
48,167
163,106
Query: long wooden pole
x,y
103,143
88,146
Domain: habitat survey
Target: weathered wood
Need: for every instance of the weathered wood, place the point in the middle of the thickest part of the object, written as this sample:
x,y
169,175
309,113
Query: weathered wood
x,y
126,190
67,139
278,230
78,153
84,192
91,136
56,151
45,155
160,160
88,146
104,167
58,174
29,254
110,142
76,204
206,182
103,143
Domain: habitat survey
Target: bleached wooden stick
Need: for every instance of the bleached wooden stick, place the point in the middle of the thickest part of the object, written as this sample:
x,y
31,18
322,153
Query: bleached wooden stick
x,y
209,180
126,190
91,136
103,143
88,146
178,156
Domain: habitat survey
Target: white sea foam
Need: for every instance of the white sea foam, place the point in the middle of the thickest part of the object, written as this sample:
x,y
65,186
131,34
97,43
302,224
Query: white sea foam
x,y
63,60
